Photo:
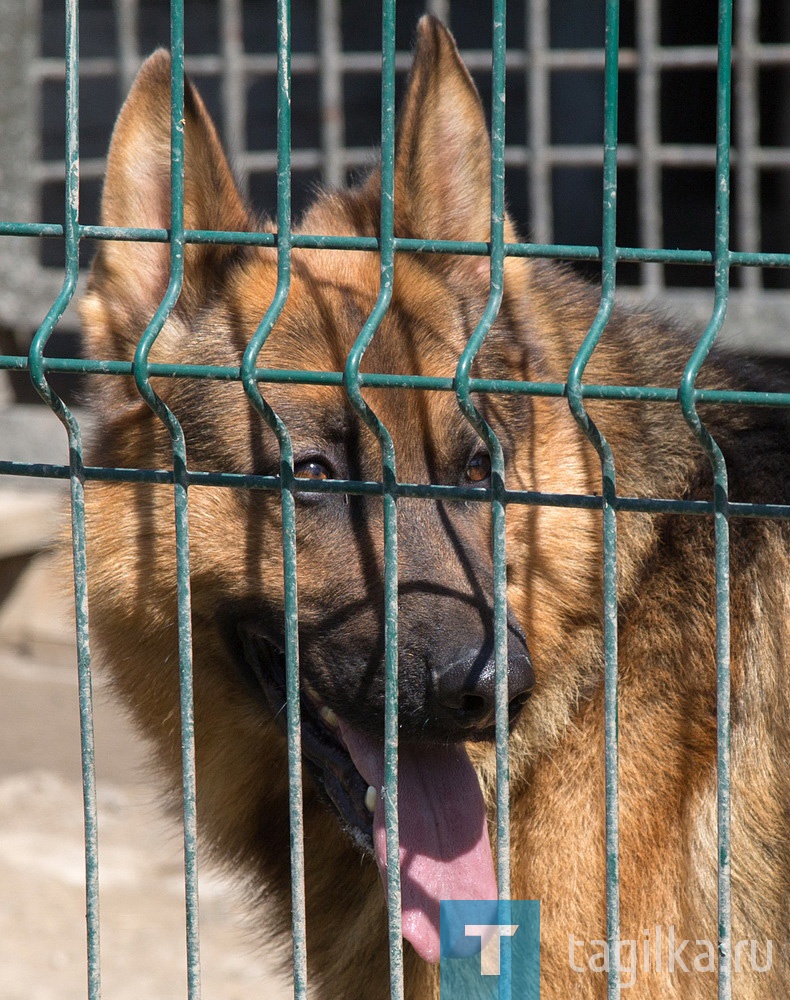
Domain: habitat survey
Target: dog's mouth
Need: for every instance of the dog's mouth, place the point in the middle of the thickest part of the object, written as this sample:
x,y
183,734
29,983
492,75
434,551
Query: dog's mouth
x,y
323,748
444,849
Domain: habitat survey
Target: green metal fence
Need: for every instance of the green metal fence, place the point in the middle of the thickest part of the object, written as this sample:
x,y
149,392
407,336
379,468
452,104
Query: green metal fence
x,y
721,259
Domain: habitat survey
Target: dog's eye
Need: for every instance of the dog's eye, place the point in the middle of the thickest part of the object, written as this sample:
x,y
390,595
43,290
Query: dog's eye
x,y
312,468
479,468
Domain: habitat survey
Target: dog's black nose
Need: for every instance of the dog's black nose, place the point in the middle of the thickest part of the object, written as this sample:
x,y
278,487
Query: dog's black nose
x,y
463,691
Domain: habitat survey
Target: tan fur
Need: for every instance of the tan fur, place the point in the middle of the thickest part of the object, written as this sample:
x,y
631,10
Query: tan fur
x,y
667,634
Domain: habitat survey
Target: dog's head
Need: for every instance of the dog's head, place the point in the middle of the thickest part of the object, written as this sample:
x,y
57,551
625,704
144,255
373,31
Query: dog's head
x,y
445,568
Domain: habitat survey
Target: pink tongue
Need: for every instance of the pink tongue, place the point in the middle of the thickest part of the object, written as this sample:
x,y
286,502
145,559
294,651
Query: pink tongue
x,y
444,848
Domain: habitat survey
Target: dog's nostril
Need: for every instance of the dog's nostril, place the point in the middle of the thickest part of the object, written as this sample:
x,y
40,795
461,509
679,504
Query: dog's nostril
x,y
463,691
473,705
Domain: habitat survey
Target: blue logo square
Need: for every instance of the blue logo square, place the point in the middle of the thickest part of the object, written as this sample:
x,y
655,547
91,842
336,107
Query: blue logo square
x,y
490,949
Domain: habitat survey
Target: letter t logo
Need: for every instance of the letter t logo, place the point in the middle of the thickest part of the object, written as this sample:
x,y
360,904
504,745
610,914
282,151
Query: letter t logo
x,y
490,935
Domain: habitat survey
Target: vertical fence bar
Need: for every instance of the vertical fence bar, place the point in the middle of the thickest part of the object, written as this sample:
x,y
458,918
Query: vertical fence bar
x,y
331,79
649,140
609,492
180,492
36,362
748,178
720,496
126,19
473,415
352,385
540,195
287,501
234,98
440,9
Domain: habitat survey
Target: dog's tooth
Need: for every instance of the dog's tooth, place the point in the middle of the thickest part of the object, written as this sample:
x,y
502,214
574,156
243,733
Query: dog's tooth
x,y
371,797
328,716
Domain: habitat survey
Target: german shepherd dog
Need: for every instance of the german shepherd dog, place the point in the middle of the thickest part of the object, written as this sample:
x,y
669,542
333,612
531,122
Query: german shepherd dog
x,y
667,678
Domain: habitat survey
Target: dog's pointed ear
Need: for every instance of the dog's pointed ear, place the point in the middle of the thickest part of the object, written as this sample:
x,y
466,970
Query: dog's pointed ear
x,y
129,279
443,153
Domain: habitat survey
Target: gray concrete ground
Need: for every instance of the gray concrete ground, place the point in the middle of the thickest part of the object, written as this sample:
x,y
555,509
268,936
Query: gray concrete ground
x,y
42,906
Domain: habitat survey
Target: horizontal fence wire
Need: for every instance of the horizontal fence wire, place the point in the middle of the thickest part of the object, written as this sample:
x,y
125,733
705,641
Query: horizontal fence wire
x,y
240,480
308,241
230,373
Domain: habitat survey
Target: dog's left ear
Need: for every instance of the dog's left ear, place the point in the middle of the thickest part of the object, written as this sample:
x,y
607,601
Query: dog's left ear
x,y
443,153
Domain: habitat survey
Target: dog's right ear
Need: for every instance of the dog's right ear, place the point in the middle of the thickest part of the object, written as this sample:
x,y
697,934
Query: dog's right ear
x,y
129,279
443,153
